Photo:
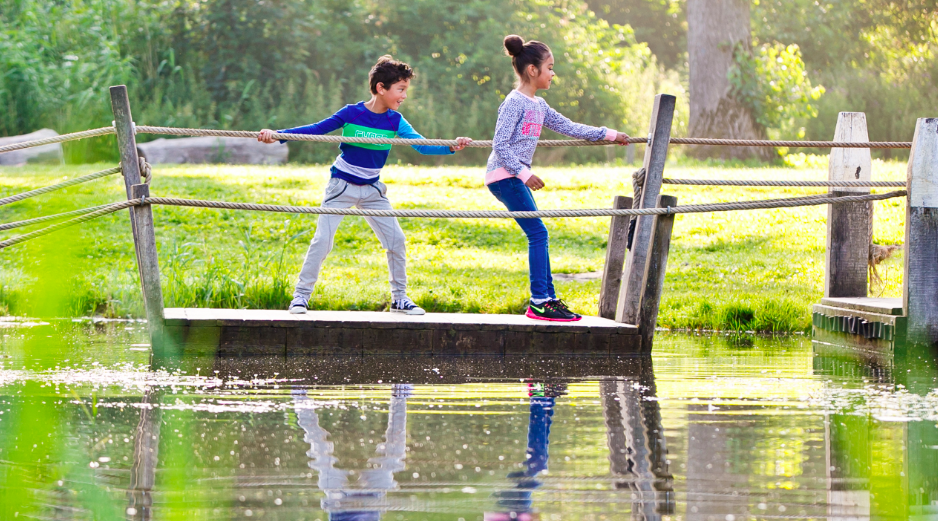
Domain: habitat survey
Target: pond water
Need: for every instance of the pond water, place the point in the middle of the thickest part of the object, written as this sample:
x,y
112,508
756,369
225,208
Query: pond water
x,y
709,428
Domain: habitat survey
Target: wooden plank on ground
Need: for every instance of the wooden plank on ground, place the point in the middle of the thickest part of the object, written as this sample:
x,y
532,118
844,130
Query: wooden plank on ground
x,y
884,306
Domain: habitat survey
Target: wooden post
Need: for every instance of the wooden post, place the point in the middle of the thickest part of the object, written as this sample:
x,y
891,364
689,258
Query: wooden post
x,y
848,225
920,285
615,258
655,268
656,152
141,217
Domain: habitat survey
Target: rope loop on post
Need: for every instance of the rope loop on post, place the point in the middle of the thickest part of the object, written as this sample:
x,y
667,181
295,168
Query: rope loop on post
x,y
146,172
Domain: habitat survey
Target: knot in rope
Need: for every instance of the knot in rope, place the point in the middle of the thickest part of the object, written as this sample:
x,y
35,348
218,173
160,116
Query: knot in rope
x,y
146,172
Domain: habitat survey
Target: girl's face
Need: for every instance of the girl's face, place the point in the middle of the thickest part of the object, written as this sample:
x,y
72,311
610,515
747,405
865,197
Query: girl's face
x,y
543,75
394,96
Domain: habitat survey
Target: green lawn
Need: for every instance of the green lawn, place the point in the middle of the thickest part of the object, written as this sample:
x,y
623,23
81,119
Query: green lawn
x,y
737,270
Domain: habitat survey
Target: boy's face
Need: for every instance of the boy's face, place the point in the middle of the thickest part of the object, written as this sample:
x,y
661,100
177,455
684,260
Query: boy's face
x,y
395,95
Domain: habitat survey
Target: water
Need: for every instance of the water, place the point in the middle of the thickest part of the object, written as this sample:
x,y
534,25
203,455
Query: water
x,y
712,427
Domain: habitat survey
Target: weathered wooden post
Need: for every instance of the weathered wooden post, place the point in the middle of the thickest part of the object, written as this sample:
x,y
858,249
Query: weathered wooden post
x,y
920,285
656,152
615,258
655,268
848,224
141,217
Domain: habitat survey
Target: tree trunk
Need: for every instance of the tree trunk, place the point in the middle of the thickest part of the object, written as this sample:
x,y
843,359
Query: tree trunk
x,y
714,27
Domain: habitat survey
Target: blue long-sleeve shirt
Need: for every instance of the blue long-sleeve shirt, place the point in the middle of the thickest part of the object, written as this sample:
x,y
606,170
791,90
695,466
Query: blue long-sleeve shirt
x,y
361,163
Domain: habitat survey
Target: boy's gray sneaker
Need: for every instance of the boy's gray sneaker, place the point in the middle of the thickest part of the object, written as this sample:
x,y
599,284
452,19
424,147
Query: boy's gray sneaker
x,y
299,305
406,306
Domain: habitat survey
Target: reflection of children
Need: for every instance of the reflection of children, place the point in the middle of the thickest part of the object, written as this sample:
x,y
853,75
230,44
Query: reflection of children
x,y
515,503
355,178
508,174
367,501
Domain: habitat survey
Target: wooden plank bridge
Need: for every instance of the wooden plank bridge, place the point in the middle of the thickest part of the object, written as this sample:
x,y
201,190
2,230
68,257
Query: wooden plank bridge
x,y
238,332
633,278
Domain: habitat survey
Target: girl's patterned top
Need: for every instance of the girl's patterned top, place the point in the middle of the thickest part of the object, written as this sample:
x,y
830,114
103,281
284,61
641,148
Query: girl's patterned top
x,y
518,128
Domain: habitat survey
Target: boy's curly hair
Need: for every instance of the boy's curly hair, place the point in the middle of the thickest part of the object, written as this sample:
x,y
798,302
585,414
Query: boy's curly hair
x,y
387,72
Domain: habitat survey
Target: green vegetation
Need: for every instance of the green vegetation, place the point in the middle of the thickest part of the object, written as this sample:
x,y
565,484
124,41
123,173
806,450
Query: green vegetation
x,y
758,270
248,65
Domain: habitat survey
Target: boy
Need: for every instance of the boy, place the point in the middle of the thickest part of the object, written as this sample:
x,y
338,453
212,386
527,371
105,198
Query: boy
x,y
355,175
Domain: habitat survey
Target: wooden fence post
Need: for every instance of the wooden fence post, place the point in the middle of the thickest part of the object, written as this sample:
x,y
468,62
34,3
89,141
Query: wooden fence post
x,y
920,285
848,224
141,219
656,152
655,268
615,258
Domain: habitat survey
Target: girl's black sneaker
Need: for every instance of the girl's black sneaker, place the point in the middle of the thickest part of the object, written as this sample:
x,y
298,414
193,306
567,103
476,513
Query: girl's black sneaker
x,y
554,310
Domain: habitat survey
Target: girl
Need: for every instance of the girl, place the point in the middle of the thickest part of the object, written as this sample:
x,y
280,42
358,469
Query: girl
x,y
508,173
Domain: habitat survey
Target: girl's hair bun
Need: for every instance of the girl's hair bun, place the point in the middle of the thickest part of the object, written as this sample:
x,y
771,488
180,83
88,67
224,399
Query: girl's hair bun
x,y
514,44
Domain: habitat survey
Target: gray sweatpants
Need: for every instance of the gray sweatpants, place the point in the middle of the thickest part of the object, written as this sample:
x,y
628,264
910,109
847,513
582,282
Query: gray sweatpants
x,y
342,194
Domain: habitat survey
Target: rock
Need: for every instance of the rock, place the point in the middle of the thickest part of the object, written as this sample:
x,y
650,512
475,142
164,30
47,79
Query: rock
x,y
42,154
229,150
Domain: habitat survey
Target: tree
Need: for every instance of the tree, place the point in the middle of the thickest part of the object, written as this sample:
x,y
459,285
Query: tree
x,y
716,31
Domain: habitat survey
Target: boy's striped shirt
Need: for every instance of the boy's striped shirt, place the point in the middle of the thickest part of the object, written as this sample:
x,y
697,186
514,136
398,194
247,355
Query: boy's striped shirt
x,y
361,163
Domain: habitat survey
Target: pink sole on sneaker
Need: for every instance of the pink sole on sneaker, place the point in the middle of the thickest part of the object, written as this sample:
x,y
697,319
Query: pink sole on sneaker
x,y
535,317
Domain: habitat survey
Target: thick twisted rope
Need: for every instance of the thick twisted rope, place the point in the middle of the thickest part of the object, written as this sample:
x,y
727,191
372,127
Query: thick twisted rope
x,y
59,186
55,217
347,139
787,144
813,200
487,143
102,210
103,131
734,182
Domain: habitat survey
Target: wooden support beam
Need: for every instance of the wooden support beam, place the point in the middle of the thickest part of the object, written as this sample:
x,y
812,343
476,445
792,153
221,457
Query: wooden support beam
x,y
656,153
141,217
615,258
848,225
655,267
920,285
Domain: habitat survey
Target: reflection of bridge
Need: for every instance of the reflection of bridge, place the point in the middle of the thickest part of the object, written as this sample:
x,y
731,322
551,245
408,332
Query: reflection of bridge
x,y
862,467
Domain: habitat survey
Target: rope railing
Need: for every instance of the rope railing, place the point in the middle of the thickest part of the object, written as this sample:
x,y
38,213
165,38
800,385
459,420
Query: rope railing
x,y
103,131
59,186
482,143
102,210
47,218
782,182
813,200
487,143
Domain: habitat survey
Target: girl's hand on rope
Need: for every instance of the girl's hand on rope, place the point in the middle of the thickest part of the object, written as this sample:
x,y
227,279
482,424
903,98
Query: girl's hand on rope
x,y
534,183
622,138
461,143
266,136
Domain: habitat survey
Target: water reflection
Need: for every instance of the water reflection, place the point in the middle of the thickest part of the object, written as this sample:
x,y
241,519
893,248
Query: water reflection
x,y
515,502
637,447
715,429
145,457
367,500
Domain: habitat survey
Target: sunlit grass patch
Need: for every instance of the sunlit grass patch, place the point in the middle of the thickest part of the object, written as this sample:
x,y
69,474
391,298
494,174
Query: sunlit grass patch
x,y
755,270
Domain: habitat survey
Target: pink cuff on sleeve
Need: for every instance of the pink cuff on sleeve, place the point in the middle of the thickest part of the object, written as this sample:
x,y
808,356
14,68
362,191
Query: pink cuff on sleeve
x,y
524,175
611,135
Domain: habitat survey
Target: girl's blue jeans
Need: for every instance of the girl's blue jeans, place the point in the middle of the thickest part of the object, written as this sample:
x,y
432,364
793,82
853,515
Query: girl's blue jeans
x,y
518,198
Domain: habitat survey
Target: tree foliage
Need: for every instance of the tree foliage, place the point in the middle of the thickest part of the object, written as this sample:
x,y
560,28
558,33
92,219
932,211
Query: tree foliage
x,y
772,80
280,63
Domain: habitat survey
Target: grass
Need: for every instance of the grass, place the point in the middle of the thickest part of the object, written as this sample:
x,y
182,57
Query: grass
x,y
757,270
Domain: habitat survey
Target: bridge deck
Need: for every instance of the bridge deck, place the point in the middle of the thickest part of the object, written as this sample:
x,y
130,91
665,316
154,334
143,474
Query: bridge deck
x,y
239,332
